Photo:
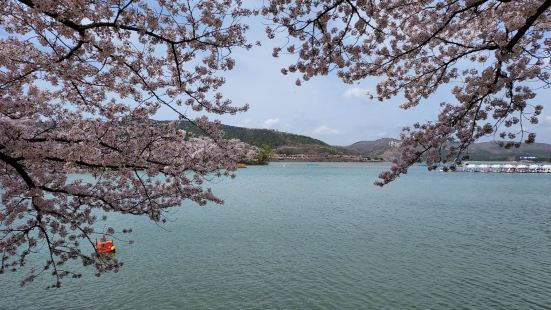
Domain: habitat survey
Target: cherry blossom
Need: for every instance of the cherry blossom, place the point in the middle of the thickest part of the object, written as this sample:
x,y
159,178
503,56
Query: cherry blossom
x,y
79,83
491,54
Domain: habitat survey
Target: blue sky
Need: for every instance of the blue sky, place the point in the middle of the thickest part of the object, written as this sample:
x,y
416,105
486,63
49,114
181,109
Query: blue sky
x,y
324,107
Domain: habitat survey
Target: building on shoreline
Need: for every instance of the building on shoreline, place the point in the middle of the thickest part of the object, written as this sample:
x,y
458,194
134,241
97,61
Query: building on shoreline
x,y
506,168
323,158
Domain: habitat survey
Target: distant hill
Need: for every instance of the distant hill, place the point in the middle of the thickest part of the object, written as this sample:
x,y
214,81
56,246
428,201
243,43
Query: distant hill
x,y
484,151
386,148
259,137
492,151
381,148
281,142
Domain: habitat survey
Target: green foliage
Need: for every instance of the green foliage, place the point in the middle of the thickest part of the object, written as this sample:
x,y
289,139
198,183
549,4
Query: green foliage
x,y
264,154
259,137
291,144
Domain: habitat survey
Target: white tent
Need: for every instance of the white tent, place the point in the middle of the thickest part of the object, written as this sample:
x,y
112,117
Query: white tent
x,y
483,167
472,167
522,168
508,168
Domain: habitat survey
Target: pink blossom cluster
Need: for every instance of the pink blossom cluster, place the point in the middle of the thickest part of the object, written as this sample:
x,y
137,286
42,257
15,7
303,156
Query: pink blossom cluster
x,y
79,82
492,54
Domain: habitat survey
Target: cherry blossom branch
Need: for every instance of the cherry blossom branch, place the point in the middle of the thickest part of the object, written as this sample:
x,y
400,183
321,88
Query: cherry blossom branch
x,y
78,86
416,47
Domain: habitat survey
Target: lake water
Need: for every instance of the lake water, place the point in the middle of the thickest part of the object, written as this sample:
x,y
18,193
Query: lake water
x,y
296,236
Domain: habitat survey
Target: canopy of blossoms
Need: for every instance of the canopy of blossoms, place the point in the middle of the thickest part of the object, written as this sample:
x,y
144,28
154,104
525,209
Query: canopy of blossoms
x,y
79,81
492,54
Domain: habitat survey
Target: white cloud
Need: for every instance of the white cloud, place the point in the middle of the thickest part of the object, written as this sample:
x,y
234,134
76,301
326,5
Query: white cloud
x,y
547,120
326,130
271,122
357,93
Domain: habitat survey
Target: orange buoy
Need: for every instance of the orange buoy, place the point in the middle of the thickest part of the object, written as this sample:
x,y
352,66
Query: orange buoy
x,y
106,246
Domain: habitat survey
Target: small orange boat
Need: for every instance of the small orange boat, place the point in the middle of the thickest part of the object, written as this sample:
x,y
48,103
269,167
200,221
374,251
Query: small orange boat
x,y
105,246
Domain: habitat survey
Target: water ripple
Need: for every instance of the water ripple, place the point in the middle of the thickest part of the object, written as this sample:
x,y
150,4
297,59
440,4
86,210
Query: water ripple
x,y
297,237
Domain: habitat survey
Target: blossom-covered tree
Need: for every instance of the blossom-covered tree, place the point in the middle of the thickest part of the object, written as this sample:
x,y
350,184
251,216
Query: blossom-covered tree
x,y
491,54
79,82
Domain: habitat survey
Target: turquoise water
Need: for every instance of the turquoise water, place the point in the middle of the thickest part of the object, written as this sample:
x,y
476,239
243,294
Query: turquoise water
x,y
296,236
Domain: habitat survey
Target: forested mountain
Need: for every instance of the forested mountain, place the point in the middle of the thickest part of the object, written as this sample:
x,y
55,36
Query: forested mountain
x,y
492,151
385,148
258,137
484,151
